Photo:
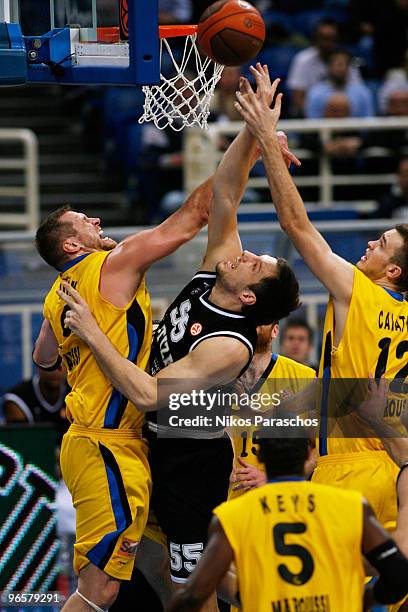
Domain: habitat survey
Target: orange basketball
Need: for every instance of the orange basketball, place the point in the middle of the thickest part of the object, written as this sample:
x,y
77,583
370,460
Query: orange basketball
x,y
231,32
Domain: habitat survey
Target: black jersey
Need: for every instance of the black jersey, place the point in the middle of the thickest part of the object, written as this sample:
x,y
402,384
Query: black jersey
x,y
28,397
192,318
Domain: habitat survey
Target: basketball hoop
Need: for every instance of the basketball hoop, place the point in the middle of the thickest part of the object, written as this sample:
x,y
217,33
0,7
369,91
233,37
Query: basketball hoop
x,y
182,99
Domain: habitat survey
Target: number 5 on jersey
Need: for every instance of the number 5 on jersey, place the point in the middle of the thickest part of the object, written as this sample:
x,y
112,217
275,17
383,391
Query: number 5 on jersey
x,y
179,320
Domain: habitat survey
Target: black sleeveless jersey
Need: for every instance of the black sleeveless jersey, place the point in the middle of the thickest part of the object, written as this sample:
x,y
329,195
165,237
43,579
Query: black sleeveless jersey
x,y
28,397
191,319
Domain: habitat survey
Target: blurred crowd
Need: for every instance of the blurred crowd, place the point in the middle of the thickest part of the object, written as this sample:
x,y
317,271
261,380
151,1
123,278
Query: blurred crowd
x,y
336,58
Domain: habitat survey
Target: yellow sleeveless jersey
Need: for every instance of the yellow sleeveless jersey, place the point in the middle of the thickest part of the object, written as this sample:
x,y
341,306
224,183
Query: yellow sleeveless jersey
x,y
281,373
93,402
375,339
297,546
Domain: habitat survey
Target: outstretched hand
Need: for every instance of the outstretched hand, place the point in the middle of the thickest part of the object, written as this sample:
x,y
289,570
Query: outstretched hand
x,y
78,318
255,108
263,98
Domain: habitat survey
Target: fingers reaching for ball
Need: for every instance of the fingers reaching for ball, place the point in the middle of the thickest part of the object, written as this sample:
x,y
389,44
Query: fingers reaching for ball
x,y
261,110
255,108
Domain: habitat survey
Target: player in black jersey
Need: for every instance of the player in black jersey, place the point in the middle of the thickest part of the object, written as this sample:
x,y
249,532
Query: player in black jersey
x,y
38,399
208,334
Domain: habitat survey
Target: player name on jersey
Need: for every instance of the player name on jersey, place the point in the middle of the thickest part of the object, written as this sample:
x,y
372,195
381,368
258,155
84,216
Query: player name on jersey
x,y
313,603
387,320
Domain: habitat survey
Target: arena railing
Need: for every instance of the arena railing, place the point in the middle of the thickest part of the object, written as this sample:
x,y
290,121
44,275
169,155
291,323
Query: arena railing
x,y
28,192
25,279
202,152
24,315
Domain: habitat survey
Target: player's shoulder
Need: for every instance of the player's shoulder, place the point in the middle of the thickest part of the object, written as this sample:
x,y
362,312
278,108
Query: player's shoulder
x,y
201,282
22,389
193,291
205,277
52,292
293,367
365,288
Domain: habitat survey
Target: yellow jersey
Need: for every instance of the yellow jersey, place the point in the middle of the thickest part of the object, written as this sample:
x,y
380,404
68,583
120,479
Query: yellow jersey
x,y
374,340
297,546
281,373
93,402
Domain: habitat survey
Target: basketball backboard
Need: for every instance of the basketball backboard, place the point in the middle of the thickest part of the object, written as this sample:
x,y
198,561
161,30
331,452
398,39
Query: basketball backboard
x,y
88,41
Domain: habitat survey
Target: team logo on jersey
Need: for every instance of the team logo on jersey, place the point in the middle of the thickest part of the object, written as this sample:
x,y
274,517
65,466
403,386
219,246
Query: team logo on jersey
x,y
128,548
195,329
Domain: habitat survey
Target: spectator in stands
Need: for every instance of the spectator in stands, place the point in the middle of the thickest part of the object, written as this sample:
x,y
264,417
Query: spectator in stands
x,y
160,168
396,79
199,7
174,11
223,103
344,146
160,160
40,399
297,341
309,66
394,204
394,143
339,81
387,23
396,102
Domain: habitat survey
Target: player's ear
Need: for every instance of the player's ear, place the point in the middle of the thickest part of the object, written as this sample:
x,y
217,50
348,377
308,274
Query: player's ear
x,y
393,271
70,246
275,330
247,297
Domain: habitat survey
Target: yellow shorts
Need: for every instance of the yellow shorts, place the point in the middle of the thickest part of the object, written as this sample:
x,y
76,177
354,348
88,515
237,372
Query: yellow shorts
x,y
108,476
154,532
372,473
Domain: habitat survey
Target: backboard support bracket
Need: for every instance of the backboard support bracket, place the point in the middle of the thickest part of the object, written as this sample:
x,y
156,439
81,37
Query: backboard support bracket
x,y
50,58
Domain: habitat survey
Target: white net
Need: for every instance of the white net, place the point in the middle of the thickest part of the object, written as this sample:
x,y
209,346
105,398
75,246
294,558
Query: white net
x,y
183,97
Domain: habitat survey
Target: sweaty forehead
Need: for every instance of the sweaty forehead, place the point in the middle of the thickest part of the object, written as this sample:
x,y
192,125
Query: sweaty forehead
x,y
73,216
268,259
393,237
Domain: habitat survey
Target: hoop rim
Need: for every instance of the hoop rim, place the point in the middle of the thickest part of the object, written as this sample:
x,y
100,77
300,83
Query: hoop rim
x,y
172,31
112,34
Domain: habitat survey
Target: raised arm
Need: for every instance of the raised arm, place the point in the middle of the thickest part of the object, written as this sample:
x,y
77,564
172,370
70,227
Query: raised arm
x,y
230,181
132,257
215,361
385,556
334,272
45,354
401,533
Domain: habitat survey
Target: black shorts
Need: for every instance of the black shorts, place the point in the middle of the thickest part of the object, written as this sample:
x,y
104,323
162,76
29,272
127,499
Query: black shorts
x,y
190,478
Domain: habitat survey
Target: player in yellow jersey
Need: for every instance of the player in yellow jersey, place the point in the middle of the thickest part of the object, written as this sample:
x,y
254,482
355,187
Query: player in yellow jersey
x,y
396,444
271,373
103,456
366,321
288,540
